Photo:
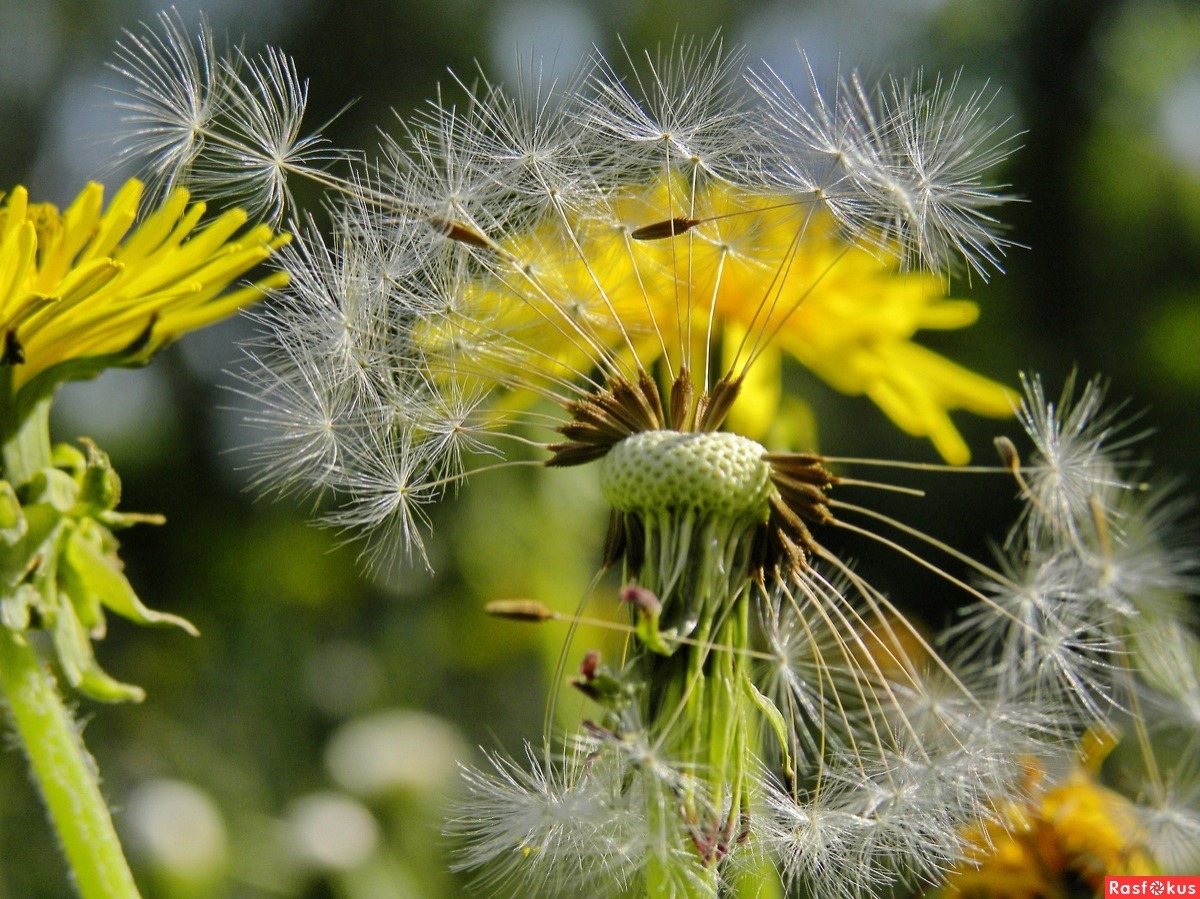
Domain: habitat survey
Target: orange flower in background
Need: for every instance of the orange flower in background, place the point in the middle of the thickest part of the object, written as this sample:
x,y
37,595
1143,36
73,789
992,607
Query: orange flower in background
x,y
1075,831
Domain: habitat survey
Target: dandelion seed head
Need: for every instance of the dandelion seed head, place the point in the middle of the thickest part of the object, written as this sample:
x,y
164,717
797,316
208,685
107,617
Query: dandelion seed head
x,y
595,270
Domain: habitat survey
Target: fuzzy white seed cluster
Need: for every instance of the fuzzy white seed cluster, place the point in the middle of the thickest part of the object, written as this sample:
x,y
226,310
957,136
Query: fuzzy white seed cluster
x,y
721,474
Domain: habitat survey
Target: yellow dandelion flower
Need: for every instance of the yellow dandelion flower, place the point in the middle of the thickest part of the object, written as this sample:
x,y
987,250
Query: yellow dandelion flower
x,y
89,288
1075,831
773,278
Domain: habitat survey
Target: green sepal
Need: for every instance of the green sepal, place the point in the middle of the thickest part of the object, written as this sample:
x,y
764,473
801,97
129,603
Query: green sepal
x,y
776,720
69,458
90,572
99,487
54,488
117,521
74,648
12,520
648,633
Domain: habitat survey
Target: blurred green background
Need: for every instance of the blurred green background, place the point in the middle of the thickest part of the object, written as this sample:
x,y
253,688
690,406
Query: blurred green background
x,y
304,744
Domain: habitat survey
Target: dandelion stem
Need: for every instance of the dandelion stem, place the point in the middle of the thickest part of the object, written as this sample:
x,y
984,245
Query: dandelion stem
x,y
61,767
64,773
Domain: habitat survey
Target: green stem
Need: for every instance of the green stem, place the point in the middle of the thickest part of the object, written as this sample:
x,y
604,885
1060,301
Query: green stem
x,y
700,695
61,766
64,773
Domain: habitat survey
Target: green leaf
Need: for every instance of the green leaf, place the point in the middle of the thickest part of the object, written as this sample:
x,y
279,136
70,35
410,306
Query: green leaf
x,y
37,548
81,595
15,606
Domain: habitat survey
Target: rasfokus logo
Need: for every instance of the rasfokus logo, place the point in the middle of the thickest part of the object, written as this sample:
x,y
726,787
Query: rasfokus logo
x,y
1153,885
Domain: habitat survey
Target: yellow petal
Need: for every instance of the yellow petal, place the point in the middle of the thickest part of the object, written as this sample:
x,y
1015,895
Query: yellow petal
x,y
113,225
17,253
89,281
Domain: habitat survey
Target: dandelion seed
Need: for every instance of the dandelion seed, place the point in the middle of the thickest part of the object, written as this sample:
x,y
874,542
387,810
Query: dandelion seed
x,y
171,100
1171,828
546,830
386,476
903,166
225,125
683,107
262,104
1048,640
1076,459
821,845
